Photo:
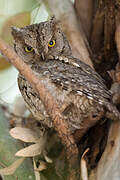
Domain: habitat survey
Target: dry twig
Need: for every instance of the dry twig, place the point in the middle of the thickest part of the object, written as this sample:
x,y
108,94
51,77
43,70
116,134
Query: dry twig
x,y
84,171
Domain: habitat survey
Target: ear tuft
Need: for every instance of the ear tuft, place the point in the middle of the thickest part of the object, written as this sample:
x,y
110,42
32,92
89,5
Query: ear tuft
x,y
53,19
16,31
55,23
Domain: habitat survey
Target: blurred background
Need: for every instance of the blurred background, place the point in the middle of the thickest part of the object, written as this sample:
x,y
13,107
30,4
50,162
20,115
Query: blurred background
x,y
15,13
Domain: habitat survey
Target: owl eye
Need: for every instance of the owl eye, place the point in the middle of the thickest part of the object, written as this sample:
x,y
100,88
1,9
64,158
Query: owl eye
x,y
28,49
51,43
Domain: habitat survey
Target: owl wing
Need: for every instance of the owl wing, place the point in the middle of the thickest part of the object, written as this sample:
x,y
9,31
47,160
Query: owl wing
x,y
80,79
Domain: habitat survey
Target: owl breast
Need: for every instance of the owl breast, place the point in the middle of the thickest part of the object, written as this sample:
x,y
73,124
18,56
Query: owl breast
x,y
33,101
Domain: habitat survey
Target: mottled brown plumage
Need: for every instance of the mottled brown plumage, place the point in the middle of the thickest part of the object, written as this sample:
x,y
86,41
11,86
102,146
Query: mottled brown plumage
x,y
79,91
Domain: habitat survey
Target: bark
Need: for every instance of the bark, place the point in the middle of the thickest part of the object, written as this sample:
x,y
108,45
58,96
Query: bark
x,y
109,28
84,10
109,165
117,39
97,29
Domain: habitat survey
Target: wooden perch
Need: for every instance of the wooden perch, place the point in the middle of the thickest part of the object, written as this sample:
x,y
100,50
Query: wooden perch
x,y
51,107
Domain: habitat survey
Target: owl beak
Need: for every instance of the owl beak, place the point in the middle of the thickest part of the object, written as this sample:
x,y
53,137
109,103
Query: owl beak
x,y
40,53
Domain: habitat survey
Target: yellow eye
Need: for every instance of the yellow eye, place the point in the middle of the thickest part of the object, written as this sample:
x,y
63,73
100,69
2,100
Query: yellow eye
x,y
28,49
51,43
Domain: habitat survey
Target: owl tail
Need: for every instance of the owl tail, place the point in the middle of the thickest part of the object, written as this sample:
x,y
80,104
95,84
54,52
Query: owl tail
x,y
113,113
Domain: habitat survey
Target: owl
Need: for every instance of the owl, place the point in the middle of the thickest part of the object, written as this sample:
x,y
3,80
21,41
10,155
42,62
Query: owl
x,y
78,90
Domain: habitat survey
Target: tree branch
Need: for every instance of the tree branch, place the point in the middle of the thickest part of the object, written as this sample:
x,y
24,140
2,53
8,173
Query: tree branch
x,y
51,107
98,27
117,39
84,10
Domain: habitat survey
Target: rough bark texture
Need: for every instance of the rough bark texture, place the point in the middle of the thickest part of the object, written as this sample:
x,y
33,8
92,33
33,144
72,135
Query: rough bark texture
x,y
97,29
84,11
117,39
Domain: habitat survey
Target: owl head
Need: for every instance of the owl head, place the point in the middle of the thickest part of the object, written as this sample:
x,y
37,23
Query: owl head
x,y
41,41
